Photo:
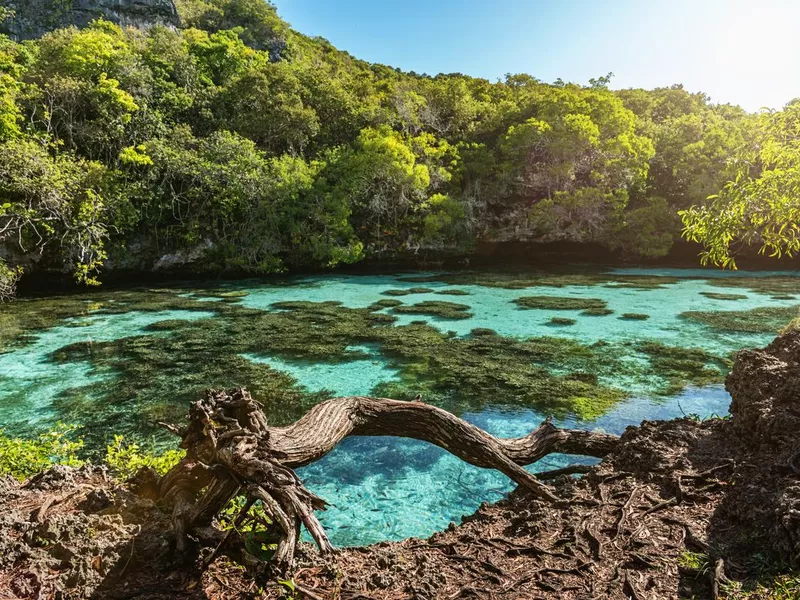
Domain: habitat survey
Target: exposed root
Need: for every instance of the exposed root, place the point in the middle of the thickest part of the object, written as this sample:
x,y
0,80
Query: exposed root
x,y
231,450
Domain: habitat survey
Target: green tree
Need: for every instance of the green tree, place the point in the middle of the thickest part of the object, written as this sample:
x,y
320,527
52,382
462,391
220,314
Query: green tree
x,y
761,205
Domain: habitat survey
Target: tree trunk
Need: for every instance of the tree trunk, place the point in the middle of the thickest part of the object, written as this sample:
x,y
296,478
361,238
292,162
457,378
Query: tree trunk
x,y
230,450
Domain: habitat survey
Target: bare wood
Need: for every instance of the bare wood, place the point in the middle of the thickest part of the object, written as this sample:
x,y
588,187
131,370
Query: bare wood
x,y
231,449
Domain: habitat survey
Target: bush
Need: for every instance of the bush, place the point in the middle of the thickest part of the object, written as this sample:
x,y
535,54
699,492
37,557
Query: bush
x,y
126,459
23,458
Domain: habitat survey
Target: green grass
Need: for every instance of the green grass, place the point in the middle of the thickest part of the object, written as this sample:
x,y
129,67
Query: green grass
x,y
694,561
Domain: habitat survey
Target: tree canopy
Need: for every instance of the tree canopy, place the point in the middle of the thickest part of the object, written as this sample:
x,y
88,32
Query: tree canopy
x,y
260,149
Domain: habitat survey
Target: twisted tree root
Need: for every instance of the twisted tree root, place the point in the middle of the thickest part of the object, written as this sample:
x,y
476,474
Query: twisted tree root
x,y
231,450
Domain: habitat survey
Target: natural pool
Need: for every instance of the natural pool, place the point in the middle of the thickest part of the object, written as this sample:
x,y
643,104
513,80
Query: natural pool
x,y
594,348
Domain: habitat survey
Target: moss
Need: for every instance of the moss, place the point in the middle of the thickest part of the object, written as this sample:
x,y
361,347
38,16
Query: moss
x,y
597,312
634,316
407,292
559,303
765,319
452,292
721,296
561,321
442,310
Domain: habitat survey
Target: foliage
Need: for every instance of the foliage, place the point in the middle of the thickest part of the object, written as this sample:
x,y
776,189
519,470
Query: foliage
x,y
22,458
125,459
249,147
760,204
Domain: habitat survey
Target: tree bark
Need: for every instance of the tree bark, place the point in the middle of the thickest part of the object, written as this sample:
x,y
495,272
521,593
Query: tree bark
x,y
230,449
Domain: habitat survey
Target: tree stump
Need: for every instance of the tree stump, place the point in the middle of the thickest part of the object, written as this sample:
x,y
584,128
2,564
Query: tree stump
x,y
231,450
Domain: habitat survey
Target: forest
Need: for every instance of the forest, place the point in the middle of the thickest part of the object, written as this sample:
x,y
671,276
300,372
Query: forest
x,y
241,142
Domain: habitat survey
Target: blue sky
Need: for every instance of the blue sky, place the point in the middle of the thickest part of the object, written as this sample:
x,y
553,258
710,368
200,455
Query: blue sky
x,y
743,52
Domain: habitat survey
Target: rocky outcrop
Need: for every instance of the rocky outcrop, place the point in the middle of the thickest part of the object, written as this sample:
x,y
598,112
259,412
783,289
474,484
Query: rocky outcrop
x,y
34,18
765,386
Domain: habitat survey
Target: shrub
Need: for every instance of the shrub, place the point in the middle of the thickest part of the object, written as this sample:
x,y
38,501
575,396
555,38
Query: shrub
x,y
22,458
126,459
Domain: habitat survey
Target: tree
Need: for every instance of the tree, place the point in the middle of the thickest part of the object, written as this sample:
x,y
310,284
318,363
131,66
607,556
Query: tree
x,y
57,201
761,205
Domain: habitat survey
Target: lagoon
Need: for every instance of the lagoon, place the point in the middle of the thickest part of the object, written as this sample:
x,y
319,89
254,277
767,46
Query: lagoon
x,y
593,348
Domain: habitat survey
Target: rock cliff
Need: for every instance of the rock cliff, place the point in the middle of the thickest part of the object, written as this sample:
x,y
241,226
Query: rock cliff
x,y
33,18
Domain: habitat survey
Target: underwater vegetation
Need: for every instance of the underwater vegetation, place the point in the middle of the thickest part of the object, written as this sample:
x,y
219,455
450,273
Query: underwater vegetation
x,y
597,312
774,285
434,308
151,374
679,367
406,292
452,292
24,316
721,296
155,373
562,321
386,303
515,280
482,331
764,319
560,303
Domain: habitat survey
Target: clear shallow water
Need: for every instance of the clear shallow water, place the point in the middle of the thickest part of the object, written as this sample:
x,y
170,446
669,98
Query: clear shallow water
x,y
386,488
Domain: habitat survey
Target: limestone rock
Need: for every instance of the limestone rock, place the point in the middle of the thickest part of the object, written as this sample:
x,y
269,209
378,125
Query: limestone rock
x,y
34,18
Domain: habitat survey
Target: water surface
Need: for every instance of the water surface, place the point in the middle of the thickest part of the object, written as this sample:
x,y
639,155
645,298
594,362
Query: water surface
x,y
116,361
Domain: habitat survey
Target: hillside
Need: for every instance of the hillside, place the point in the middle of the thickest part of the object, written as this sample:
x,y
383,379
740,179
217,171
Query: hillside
x,y
223,140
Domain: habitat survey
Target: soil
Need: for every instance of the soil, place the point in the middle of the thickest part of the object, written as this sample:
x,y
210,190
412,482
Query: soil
x,y
727,490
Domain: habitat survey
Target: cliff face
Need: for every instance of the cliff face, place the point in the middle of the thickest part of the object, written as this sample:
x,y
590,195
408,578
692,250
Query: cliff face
x,y
33,18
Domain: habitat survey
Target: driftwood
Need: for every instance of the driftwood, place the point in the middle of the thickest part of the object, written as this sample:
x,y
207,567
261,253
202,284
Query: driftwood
x,y
231,450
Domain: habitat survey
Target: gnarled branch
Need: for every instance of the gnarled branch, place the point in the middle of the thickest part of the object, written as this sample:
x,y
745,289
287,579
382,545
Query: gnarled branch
x,y
231,449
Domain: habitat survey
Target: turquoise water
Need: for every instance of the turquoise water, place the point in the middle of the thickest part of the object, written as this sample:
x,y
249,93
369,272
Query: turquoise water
x,y
74,367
